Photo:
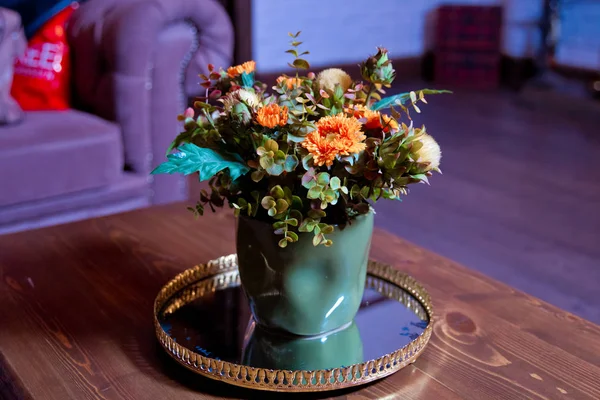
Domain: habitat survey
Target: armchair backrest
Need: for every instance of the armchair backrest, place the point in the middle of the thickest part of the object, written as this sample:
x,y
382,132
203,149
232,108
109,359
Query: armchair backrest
x,y
12,45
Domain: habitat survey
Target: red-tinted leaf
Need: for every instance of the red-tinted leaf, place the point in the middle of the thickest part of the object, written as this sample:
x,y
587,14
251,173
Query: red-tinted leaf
x,y
211,67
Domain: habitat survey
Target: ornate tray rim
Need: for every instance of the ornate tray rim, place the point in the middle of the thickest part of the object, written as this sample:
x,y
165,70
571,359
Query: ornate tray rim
x,y
225,269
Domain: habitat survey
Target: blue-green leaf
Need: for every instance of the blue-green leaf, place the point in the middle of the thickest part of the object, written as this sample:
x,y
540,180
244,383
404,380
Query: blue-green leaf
x,y
191,158
247,79
387,102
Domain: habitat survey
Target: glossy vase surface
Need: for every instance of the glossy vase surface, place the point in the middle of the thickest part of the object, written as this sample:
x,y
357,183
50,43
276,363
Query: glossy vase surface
x,y
339,348
302,289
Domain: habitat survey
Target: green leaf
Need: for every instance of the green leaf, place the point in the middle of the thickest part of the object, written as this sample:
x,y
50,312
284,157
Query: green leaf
x,y
306,226
279,156
292,51
401,98
335,183
296,203
287,194
364,192
293,235
256,176
279,225
323,178
314,192
261,151
327,229
292,221
318,239
421,177
271,145
268,202
301,64
191,158
266,162
307,162
283,243
282,206
247,79
277,192
275,169
296,43
316,214
297,215
272,212
181,138
338,94
329,195
309,184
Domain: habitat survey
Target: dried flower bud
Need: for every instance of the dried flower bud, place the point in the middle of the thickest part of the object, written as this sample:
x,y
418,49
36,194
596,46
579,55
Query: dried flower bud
x,y
430,152
327,79
378,68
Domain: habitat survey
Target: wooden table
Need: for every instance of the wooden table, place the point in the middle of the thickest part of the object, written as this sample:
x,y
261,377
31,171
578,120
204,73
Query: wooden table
x,y
76,319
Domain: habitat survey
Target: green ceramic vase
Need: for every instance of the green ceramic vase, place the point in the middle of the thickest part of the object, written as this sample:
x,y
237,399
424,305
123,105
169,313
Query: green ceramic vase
x,y
302,289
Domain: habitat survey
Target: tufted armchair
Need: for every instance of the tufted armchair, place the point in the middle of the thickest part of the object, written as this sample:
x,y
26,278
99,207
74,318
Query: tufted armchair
x,y
135,64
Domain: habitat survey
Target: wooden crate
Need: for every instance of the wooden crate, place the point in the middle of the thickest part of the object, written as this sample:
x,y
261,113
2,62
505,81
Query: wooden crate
x,y
467,45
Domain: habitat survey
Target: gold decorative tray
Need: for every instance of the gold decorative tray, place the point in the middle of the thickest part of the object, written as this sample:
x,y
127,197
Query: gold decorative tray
x,y
203,322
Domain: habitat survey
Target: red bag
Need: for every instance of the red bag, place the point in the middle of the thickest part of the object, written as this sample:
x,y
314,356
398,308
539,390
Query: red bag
x,y
42,75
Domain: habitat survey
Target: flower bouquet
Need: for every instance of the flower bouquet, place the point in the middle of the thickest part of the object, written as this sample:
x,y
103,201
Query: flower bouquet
x,y
302,164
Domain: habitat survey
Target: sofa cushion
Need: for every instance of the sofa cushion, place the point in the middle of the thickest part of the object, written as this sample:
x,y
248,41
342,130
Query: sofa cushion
x,y
57,152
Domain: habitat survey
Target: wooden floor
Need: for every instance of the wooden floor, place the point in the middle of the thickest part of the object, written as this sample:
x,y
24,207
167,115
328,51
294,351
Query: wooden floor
x,y
519,199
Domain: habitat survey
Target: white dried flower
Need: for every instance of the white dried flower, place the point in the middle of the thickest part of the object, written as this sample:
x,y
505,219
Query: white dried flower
x,y
231,99
327,79
430,152
248,97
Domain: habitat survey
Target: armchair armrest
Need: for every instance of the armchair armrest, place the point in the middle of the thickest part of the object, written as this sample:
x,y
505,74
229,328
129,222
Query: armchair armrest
x,y
137,61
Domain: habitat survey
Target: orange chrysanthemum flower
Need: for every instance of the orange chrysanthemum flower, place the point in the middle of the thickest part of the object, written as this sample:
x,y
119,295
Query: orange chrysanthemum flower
x,y
272,115
247,67
338,135
373,118
289,82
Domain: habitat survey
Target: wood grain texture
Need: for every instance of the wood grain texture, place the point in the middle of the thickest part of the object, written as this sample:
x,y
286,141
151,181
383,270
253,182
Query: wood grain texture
x,y
505,206
76,319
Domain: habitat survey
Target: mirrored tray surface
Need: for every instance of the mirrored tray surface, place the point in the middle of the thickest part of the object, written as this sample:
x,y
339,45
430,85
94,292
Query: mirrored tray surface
x,y
203,321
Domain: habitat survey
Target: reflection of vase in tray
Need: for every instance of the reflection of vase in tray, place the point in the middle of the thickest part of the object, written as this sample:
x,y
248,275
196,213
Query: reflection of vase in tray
x,y
303,289
264,349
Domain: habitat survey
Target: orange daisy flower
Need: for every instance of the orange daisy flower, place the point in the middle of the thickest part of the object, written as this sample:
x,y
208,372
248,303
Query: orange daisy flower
x,y
373,118
289,82
272,115
337,135
247,67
